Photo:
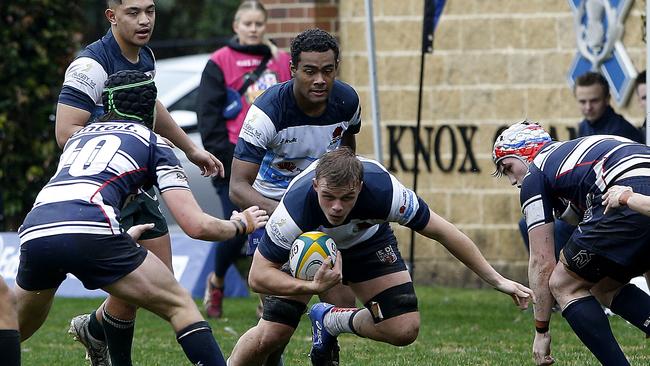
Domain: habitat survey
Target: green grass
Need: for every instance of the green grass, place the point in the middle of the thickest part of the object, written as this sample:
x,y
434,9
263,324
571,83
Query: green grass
x,y
459,327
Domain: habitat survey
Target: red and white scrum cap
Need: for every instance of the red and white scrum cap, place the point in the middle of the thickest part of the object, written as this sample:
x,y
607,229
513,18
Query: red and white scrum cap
x,y
522,140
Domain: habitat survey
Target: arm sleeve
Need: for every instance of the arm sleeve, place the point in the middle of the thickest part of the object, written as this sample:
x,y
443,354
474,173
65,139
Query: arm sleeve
x,y
169,174
281,231
255,137
407,208
211,123
83,84
535,202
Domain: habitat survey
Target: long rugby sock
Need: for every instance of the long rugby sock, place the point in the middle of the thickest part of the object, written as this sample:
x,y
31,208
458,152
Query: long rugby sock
x,y
10,347
339,320
119,338
633,305
96,328
199,345
590,324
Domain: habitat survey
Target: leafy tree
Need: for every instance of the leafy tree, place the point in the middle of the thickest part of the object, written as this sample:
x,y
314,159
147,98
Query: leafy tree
x,y
37,42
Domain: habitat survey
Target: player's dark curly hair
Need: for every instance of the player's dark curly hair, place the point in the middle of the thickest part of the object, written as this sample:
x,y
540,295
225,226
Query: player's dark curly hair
x,y
313,40
129,95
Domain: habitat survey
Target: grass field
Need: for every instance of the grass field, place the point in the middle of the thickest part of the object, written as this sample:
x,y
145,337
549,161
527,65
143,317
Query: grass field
x,y
459,327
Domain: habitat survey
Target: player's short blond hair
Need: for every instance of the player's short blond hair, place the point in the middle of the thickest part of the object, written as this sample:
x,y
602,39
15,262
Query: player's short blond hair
x,y
339,168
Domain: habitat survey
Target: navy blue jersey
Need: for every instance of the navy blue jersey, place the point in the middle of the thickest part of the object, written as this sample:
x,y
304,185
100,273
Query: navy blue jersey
x,y
382,199
101,166
85,77
577,171
283,140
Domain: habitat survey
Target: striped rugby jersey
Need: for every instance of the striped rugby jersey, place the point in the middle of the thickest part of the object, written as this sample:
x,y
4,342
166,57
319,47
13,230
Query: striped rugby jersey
x,y
86,75
382,199
576,172
283,140
101,167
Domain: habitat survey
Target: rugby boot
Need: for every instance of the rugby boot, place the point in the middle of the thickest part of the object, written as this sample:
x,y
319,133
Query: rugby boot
x,y
96,350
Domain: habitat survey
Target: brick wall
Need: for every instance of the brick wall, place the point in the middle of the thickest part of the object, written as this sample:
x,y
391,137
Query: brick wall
x,y
289,17
495,62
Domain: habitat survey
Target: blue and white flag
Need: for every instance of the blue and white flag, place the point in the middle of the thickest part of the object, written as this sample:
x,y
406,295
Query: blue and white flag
x,y
432,12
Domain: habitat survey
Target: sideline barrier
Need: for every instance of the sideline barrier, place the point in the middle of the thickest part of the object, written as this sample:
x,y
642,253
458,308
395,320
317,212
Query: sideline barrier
x,y
192,261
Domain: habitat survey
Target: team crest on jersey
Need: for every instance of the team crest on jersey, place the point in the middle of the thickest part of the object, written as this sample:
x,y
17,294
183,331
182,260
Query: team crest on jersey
x,y
387,255
336,135
582,258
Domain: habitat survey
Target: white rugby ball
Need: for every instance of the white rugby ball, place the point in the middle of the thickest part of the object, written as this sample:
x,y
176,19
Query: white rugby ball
x,y
308,252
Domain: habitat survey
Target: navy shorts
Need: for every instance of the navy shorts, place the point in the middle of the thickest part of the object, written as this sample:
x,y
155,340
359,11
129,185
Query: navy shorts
x,y
615,245
144,209
96,260
371,259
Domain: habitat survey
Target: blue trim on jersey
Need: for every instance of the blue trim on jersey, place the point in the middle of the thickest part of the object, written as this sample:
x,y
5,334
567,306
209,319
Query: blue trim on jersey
x,y
421,218
271,251
76,98
245,151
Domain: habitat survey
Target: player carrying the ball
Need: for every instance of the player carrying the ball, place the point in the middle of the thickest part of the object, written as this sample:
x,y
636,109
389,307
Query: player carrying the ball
x,y
353,199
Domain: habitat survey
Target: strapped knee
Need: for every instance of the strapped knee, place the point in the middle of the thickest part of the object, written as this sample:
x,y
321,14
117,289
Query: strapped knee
x,y
283,311
392,302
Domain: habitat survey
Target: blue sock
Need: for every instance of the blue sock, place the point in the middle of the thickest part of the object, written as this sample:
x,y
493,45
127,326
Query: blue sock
x,y
10,347
119,339
96,328
633,305
590,324
199,345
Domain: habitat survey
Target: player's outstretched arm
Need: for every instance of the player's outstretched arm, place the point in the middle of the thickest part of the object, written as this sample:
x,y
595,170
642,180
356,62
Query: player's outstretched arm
x,y
68,121
266,277
199,225
462,247
165,125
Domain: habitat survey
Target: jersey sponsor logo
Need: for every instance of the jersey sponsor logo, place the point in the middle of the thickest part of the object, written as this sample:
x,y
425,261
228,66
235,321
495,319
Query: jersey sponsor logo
x,y
286,165
112,127
387,255
582,258
276,231
288,141
84,79
181,176
249,130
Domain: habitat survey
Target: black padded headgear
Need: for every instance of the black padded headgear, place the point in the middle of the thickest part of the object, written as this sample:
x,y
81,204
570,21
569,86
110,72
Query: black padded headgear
x,y
131,94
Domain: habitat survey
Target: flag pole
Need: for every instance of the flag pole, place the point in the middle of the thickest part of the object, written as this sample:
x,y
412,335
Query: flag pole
x,y
431,12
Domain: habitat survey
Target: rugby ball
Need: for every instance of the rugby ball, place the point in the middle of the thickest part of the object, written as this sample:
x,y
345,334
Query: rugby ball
x,y
308,252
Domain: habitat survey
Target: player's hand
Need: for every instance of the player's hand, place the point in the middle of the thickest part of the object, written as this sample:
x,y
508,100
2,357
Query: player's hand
x,y
210,166
542,349
612,198
253,218
521,295
327,275
137,230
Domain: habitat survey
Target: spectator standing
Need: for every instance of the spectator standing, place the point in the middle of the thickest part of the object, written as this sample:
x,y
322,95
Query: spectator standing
x,y
233,77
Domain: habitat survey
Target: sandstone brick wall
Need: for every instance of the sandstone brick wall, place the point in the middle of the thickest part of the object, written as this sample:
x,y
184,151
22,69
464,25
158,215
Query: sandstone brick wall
x,y
495,62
